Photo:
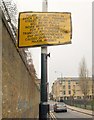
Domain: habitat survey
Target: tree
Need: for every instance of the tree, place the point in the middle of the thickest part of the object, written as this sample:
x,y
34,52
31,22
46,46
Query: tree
x,y
83,77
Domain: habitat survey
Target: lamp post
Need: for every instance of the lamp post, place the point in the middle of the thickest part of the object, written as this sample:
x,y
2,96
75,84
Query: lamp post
x,y
44,106
61,75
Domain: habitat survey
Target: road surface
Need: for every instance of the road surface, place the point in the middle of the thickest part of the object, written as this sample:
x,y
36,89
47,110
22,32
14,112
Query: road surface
x,y
69,113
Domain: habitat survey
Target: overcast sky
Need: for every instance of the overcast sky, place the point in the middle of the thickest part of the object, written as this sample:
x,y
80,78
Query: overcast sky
x,y
65,59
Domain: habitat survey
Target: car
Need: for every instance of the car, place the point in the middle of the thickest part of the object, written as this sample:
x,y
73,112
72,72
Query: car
x,y
60,107
61,100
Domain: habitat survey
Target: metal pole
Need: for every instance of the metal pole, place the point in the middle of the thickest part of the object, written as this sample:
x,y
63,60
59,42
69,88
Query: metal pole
x,y
43,107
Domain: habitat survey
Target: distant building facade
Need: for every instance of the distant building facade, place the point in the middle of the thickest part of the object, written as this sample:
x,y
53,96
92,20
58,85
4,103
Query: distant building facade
x,y
68,87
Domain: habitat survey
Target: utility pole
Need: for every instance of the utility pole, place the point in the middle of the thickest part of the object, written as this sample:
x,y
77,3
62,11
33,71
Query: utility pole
x,y
44,107
27,41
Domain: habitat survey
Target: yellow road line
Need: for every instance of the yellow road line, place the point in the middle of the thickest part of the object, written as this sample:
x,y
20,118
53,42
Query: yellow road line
x,y
53,117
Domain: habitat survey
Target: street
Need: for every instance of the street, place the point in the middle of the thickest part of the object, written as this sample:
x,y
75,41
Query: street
x,y
69,114
31,31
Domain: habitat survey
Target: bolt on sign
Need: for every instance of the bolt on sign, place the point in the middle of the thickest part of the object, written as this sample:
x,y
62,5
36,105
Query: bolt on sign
x,y
44,29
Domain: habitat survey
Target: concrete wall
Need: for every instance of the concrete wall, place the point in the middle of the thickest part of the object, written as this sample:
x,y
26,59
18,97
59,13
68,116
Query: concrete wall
x,y
20,93
0,67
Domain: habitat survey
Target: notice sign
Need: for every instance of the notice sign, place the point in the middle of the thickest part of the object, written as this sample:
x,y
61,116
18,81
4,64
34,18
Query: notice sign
x,y
44,29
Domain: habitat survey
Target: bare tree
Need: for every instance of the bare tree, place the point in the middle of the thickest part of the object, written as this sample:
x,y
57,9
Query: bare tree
x,y
83,77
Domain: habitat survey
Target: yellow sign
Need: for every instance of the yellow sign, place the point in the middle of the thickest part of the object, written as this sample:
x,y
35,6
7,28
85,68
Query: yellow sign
x,y
43,29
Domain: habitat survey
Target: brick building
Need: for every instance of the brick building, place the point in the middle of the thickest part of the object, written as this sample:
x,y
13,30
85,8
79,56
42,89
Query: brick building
x,y
67,87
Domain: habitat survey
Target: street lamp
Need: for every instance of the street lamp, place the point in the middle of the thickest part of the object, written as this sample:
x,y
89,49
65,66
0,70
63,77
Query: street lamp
x,y
60,81
44,106
60,73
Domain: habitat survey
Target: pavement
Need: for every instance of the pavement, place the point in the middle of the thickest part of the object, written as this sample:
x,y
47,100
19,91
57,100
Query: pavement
x,y
89,112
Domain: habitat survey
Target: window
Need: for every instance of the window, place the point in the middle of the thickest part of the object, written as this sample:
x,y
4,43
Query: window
x,y
64,92
69,92
63,86
63,82
76,83
68,81
69,86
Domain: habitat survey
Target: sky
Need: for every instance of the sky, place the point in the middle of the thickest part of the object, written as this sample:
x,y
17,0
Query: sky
x,y
65,59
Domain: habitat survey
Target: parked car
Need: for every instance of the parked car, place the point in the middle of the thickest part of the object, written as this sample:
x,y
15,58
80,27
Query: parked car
x,y
61,100
58,107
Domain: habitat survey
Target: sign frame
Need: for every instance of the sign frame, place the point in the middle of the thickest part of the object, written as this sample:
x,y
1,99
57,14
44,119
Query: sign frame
x,y
43,45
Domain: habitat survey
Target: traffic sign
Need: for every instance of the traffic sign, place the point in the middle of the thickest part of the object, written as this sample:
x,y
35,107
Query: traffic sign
x,y
44,29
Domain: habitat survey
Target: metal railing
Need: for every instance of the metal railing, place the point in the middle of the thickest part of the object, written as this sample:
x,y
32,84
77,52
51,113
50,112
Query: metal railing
x,y
85,104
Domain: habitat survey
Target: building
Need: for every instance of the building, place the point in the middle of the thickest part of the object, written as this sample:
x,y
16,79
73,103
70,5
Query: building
x,y
68,87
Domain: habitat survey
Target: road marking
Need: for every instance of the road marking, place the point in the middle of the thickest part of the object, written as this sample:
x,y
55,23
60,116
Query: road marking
x,y
53,117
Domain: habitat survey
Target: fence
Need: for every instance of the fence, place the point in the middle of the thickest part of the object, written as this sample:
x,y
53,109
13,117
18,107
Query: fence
x,y
86,104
